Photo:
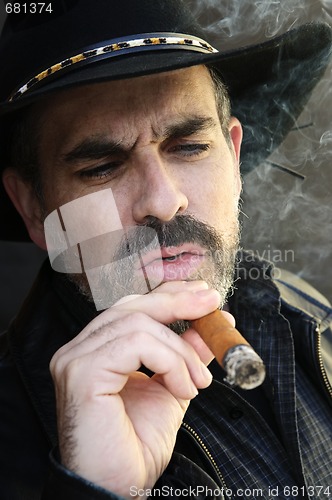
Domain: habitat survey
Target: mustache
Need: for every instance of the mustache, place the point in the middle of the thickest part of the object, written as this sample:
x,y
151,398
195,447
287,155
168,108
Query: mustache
x,y
117,258
182,229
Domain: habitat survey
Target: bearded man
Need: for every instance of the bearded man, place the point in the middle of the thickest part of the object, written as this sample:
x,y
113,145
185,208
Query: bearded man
x,y
122,157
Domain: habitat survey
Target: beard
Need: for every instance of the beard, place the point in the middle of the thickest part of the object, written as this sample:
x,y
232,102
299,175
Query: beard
x,y
106,284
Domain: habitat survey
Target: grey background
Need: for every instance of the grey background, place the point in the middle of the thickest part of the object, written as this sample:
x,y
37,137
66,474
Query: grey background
x,y
287,220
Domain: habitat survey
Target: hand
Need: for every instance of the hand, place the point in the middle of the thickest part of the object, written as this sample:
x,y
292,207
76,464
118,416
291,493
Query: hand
x,y
117,427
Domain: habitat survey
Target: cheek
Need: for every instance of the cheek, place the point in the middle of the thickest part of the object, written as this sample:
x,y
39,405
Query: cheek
x,y
60,188
125,196
214,196
57,194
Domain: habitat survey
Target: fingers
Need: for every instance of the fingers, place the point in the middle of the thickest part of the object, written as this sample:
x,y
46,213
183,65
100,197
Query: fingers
x,y
171,287
127,343
189,301
133,333
179,370
198,344
168,306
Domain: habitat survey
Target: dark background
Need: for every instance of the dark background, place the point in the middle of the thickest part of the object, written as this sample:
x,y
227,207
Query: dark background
x,y
288,220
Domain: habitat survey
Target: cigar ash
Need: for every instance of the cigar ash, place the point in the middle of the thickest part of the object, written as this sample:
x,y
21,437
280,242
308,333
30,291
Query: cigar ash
x,y
244,367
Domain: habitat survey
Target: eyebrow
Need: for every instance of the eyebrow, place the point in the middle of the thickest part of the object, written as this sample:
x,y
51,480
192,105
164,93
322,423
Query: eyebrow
x,y
93,148
189,127
99,147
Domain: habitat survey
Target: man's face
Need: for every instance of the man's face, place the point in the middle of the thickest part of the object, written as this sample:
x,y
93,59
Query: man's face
x,y
157,143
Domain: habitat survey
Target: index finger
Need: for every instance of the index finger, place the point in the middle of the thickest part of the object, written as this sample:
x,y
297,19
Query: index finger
x,y
162,307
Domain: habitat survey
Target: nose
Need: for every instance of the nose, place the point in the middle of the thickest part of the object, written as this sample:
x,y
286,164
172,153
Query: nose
x,y
160,190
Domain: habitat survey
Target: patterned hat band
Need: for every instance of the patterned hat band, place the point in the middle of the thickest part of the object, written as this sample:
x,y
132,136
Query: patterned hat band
x,y
120,46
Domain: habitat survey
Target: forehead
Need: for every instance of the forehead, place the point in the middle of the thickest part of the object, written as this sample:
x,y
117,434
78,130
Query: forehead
x,y
165,91
126,111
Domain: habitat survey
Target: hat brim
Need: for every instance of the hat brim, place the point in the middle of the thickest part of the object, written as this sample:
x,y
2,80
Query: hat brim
x,y
269,84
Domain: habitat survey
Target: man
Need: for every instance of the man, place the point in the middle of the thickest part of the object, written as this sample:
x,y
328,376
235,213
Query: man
x,y
99,143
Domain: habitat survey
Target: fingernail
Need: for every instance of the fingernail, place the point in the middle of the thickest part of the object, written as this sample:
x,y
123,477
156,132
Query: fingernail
x,y
194,389
206,372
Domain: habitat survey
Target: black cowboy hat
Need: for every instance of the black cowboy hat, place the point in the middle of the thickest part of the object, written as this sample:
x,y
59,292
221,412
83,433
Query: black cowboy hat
x,y
88,41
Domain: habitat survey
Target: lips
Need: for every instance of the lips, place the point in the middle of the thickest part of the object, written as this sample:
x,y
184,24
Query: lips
x,y
172,263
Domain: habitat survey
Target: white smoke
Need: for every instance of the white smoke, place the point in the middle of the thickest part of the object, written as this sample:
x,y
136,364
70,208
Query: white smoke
x,y
289,220
237,22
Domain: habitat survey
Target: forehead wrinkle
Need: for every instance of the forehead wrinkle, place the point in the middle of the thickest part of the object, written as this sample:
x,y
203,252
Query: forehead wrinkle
x,y
99,146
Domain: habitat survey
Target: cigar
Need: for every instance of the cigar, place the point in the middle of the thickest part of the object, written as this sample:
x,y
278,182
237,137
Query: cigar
x,y
243,367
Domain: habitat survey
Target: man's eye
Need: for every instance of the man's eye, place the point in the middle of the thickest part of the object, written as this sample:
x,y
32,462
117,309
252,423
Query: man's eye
x,y
101,171
190,149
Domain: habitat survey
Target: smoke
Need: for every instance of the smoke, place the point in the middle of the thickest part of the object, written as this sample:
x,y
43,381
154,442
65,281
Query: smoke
x,y
239,22
288,218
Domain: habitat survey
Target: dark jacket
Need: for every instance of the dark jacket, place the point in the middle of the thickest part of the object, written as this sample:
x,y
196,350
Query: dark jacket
x,y
51,316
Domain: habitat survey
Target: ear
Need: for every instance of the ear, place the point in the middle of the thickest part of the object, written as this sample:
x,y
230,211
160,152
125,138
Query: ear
x,y
236,134
27,204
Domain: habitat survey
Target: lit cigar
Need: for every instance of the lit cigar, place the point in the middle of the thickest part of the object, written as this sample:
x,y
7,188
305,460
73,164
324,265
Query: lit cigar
x,y
241,363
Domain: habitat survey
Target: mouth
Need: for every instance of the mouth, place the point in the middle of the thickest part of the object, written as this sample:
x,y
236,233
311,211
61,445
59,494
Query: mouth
x,y
172,263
